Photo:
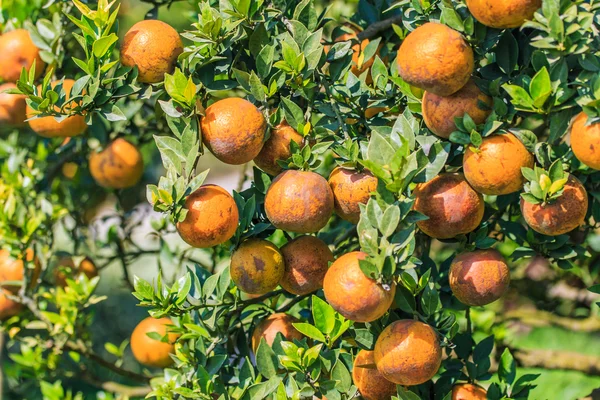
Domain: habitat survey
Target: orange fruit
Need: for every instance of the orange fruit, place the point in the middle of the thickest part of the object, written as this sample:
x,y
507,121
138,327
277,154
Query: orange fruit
x,y
306,261
12,107
299,201
18,52
48,126
273,324
503,14
153,47
350,189
86,267
408,352
152,352
451,204
120,165
563,215
435,58
212,217
495,168
234,130
277,147
479,277
354,295
439,111
8,308
369,381
467,391
256,266
12,269
585,140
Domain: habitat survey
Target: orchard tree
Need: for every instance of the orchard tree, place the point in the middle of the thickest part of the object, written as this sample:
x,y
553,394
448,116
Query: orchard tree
x,y
399,162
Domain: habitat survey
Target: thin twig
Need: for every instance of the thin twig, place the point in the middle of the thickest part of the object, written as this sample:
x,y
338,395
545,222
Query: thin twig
x,y
374,29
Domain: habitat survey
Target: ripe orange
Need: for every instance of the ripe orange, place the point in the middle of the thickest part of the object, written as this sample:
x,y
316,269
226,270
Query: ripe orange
x,y
351,188
14,269
18,52
369,381
234,129
585,141
503,14
120,165
561,216
496,168
48,126
12,107
354,295
299,201
277,147
8,308
212,217
435,58
152,352
451,204
467,391
408,352
86,267
439,111
479,277
273,324
153,47
306,261
256,266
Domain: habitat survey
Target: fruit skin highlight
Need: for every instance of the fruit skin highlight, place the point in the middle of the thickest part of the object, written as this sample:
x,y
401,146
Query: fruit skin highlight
x,y
369,381
153,46
299,201
439,111
351,188
256,266
408,352
503,14
273,324
277,147
435,58
354,295
479,277
495,168
306,261
452,205
234,130
585,141
120,165
18,52
212,217
12,107
467,391
563,215
151,352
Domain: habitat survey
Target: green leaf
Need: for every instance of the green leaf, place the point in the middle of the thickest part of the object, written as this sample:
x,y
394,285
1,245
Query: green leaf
x,y
507,52
405,300
266,360
341,375
520,97
389,221
507,370
293,113
310,331
323,315
540,87
102,45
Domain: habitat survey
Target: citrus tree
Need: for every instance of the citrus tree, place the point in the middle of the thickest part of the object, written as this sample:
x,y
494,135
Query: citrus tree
x,y
401,160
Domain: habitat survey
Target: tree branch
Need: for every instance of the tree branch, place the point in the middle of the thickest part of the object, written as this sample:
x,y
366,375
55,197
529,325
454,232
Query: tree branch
x,y
374,29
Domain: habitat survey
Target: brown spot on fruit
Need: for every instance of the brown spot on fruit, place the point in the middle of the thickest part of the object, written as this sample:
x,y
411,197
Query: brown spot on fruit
x,y
354,295
585,140
256,266
273,324
479,277
562,215
67,270
439,112
212,217
369,381
496,168
451,204
12,107
18,52
351,188
306,261
13,269
277,147
120,165
152,352
467,391
234,130
299,201
153,47
435,58
50,128
408,352
503,14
